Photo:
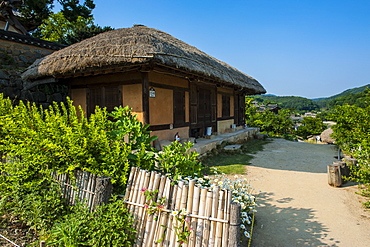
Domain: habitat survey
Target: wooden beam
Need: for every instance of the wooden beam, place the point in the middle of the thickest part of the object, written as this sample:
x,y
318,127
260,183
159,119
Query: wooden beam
x,y
145,94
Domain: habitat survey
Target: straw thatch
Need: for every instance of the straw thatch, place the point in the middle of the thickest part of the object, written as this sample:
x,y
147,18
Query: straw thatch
x,y
138,45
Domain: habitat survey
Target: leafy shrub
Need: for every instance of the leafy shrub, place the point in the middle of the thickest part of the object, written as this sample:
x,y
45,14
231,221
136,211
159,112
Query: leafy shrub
x,y
109,225
352,135
126,126
177,160
59,139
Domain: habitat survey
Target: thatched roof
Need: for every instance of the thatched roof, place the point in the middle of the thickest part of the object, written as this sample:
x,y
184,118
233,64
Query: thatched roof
x,y
135,46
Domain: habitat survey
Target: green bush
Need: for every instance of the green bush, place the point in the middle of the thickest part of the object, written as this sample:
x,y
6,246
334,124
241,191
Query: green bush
x,y
177,160
352,135
37,142
109,225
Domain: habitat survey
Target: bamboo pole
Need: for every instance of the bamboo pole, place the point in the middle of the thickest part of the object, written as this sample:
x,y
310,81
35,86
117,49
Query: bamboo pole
x,y
136,178
220,215
166,216
141,212
154,227
172,235
200,226
170,217
130,182
150,218
195,210
183,205
93,186
89,194
212,234
177,204
225,235
133,193
207,223
163,216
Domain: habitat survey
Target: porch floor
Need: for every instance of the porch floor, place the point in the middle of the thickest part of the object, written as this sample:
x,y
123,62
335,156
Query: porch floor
x,y
204,145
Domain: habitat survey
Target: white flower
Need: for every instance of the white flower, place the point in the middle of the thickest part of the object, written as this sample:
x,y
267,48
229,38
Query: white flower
x,y
247,234
242,226
174,213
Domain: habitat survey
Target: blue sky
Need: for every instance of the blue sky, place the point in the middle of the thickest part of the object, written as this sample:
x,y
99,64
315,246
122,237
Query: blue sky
x,y
292,47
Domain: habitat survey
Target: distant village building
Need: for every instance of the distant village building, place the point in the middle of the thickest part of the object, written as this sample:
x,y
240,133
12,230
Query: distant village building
x,y
271,107
170,85
309,114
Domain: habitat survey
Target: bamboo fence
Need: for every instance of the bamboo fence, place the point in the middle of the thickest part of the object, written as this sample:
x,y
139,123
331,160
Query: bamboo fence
x,y
213,218
85,187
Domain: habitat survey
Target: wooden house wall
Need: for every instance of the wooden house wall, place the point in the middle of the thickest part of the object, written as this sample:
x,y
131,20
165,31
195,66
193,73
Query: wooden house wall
x,y
162,111
225,121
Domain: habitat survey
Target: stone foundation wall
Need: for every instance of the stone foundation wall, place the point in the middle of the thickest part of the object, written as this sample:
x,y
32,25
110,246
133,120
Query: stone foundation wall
x,y
12,86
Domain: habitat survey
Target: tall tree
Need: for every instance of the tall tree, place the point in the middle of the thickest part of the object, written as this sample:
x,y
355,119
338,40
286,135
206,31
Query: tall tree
x,y
58,28
33,12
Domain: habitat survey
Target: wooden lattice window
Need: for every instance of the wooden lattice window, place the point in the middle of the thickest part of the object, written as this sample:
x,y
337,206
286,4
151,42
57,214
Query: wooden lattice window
x,y
225,106
106,96
179,107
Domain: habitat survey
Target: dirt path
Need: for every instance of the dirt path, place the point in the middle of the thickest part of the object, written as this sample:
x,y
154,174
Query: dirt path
x,y
297,206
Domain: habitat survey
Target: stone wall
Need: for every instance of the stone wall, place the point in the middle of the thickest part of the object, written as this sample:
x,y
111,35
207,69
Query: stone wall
x,y
12,86
20,51
17,52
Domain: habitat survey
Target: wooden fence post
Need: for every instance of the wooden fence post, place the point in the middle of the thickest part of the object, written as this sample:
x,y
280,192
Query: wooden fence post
x,y
344,169
103,191
334,176
234,228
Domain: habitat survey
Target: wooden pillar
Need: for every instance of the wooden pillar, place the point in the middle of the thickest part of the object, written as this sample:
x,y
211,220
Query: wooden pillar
x,y
234,229
145,80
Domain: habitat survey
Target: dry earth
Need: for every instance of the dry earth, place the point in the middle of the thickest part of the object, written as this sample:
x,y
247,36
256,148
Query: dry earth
x,y
297,207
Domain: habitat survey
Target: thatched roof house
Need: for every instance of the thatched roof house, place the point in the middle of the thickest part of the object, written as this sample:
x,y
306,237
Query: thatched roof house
x,y
151,60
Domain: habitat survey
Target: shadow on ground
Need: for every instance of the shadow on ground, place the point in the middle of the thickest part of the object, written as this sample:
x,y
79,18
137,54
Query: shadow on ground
x,y
295,156
277,224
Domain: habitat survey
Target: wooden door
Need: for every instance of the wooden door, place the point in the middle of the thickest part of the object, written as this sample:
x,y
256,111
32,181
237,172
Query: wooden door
x,y
203,109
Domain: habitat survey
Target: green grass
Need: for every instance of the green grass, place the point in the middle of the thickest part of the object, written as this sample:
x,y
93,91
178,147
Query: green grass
x,y
233,162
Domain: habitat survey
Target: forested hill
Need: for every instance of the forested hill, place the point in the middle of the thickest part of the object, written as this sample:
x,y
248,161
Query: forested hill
x,y
348,96
354,96
286,102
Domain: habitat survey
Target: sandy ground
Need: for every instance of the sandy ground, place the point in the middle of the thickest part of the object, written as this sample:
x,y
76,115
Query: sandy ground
x,y
297,207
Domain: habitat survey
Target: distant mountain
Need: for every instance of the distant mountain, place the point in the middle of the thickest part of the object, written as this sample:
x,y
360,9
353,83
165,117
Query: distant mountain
x,y
352,90
349,96
329,101
286,102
